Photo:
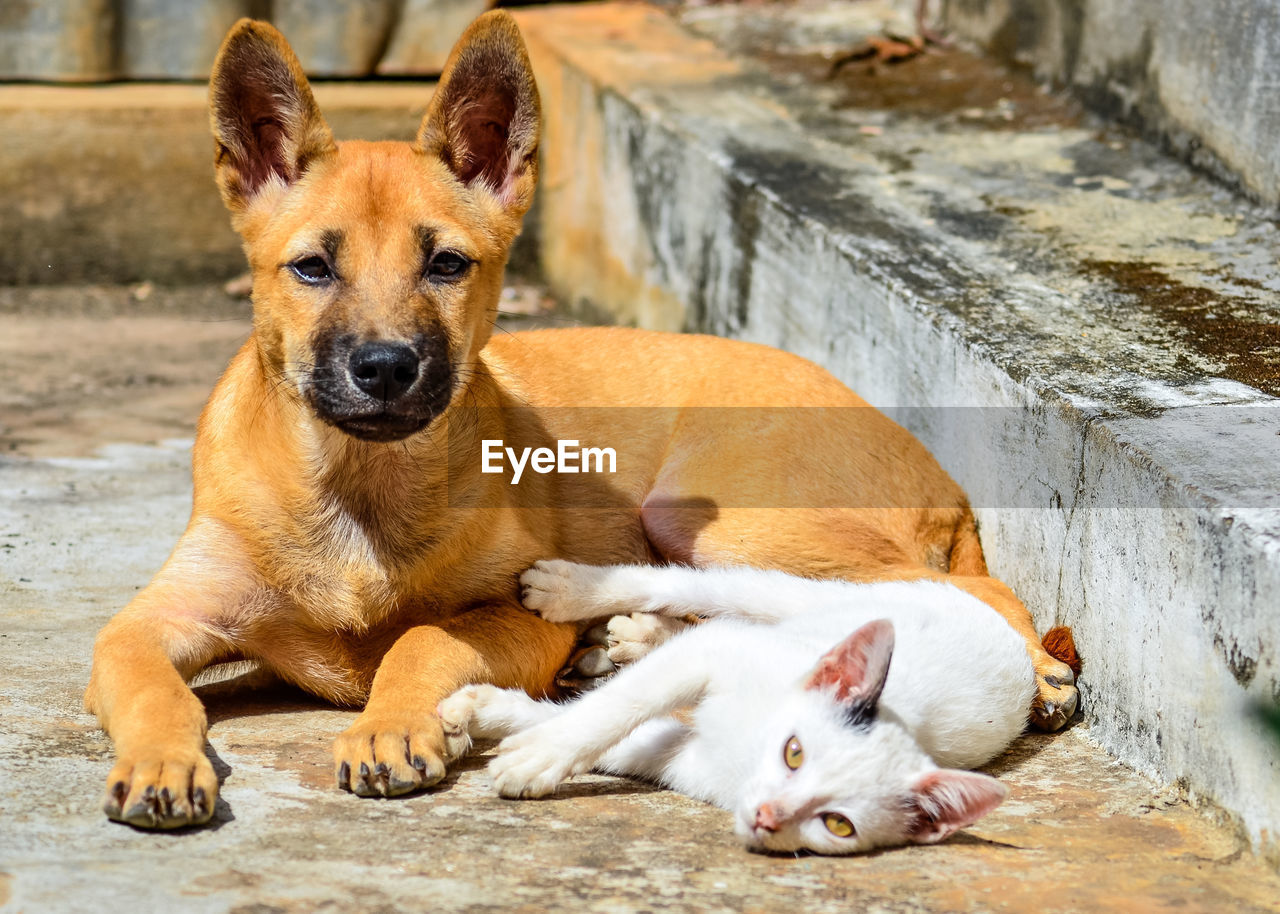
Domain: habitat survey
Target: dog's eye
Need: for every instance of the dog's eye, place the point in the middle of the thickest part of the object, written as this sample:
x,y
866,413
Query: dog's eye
x,y
447,265
312,270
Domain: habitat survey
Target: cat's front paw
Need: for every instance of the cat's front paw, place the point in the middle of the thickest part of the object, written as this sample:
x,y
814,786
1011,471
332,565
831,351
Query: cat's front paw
x,y
532,764
456,713
631,637
488,712
562,591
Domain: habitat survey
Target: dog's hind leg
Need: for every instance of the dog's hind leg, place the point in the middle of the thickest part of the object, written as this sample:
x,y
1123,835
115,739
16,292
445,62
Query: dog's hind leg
x,y
861,545
397,745
1056,694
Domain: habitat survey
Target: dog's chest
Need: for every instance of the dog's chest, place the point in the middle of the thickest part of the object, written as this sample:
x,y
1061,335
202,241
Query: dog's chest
x,y
347,570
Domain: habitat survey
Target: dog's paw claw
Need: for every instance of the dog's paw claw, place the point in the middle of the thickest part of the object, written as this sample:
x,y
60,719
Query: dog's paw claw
x,y
171,792
1056,697
387,756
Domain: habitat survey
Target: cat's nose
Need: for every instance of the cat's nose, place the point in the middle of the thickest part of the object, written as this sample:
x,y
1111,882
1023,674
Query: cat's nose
x,y
766,819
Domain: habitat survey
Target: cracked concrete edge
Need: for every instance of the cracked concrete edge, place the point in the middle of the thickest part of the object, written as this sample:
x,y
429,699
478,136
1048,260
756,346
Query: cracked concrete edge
x,y
1195,76
675,187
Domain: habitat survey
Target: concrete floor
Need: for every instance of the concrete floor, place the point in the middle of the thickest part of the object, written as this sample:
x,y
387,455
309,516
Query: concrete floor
x,y
1091,327
96,413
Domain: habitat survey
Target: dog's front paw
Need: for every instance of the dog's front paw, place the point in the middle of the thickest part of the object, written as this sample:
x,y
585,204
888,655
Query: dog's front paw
x,y
531,764
166,788
631,637
385,755
562,591
1056,695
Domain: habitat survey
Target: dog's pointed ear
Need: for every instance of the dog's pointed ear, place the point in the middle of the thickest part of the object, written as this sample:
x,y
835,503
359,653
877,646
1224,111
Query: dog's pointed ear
x,y
484,119
265,120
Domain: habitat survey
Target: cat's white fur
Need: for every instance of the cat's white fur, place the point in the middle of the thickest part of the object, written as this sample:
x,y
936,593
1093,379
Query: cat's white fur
x,y
782,658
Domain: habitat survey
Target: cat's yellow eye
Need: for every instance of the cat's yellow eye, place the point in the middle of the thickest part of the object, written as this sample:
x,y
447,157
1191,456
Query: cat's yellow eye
x,y
837,824
793,754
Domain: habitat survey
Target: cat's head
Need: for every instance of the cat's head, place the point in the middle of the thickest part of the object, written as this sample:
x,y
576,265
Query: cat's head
x,y
839,778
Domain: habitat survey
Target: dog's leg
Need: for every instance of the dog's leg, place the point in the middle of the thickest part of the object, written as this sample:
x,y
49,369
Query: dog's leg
x,y
397,745
1056,696
138,687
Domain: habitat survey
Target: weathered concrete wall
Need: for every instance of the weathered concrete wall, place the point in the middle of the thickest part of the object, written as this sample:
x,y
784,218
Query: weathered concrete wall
x,y
957,261
115,184
69,40
1200,76
162,39
99,40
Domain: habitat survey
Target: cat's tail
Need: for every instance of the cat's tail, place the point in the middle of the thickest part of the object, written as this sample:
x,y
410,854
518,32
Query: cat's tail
x,y
1061,645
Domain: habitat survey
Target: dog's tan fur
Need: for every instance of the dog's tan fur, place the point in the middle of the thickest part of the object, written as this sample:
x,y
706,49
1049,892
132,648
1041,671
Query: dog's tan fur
x,y
346,566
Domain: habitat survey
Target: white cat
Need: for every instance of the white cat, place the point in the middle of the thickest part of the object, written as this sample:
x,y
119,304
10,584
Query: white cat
x,y
801,727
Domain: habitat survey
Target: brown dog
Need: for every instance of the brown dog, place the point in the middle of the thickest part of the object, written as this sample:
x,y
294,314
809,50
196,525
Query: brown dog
x,y
343,535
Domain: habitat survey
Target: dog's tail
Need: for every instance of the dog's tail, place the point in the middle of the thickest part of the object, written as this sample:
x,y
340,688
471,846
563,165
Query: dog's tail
x,y
966,551
966,559
1061,645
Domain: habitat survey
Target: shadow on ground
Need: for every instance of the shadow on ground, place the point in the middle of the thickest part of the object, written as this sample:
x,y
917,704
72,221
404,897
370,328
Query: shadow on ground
x,y
88,512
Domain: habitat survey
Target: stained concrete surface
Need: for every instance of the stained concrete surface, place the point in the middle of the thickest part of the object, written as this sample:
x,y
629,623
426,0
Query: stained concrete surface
x,y
114,184
1197,76
948,238
95,425
98,40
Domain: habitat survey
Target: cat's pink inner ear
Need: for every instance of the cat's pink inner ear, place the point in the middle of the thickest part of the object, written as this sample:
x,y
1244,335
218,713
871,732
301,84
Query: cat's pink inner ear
x,y
947,800
855,669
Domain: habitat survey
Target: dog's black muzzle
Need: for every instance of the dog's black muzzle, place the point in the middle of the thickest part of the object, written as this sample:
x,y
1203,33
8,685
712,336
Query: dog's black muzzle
x,y
380,390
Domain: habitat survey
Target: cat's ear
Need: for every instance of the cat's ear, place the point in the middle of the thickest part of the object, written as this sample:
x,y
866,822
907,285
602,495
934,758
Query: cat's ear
x,y
947,800
855,669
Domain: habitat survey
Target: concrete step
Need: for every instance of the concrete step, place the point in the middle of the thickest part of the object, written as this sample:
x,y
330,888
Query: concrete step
x,y
1195,76
1086,332
90,505
114,184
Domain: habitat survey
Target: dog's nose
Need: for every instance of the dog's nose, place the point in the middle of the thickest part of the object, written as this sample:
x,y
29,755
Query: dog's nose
x,y
384,370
